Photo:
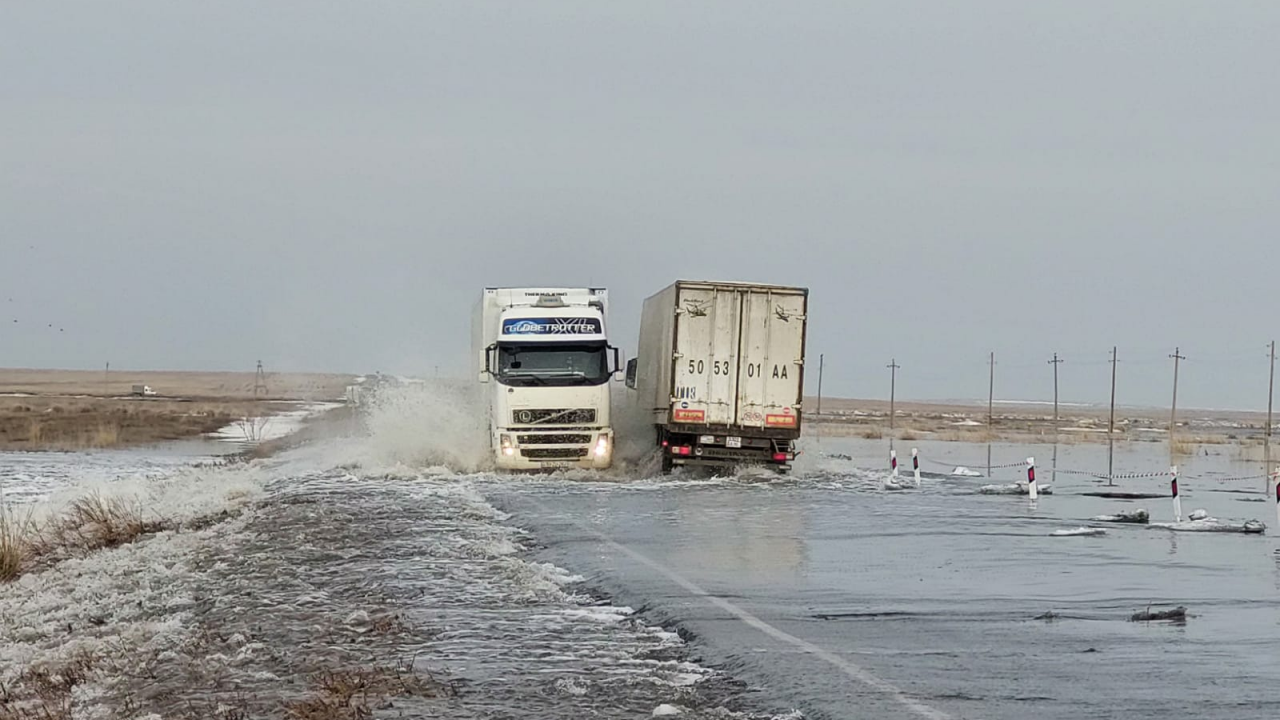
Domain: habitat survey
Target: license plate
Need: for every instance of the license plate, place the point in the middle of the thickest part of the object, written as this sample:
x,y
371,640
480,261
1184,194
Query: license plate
x,y
556,464
707,439
733,442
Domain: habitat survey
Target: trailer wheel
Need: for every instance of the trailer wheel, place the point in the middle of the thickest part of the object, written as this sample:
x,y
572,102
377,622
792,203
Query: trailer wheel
x,y
663,441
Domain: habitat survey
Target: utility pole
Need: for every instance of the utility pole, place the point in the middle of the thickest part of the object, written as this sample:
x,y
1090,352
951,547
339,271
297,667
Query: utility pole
x,y
1111,425
991,389
1173,409
1271,386
106,381
1055,362
821,361
893,388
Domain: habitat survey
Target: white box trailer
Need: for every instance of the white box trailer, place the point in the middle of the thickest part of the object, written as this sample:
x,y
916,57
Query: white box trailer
x,y
720,365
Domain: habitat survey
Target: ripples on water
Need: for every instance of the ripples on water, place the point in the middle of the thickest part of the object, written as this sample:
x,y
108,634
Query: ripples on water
x,y
337,569
334,570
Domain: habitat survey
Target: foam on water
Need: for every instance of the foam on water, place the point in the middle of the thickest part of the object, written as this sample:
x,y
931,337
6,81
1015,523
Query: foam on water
x,y
298,581
127,606
29,477
1079,532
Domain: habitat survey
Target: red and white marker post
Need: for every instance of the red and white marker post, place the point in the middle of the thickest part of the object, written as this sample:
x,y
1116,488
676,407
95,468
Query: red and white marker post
x,y
1031,479
893,463
915,464
1177,501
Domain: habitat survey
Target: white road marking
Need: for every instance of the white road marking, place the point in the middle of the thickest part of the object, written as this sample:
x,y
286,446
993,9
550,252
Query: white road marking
x,y
852,670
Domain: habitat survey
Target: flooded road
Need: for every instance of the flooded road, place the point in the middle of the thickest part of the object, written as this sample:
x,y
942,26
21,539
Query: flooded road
x,y
271,584
843,600
603,595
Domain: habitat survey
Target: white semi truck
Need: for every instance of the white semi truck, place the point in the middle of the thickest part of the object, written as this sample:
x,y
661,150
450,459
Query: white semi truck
x,y
720,366
545,354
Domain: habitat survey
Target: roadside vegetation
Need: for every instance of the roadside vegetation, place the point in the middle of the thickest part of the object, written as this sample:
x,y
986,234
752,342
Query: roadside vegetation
x,y
89,523
69,424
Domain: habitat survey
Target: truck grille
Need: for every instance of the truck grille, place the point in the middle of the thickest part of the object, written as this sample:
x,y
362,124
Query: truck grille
x,y
553,416
553,439
567,453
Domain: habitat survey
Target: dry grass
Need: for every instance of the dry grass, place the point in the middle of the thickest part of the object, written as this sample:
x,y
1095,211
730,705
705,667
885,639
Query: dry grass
x,y
356,694
105,435
191,385
392,624
91,523
86,423
45,692
15,538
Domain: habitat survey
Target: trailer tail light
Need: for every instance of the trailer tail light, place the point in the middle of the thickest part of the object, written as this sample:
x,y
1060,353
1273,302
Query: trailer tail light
x,y
782,457
681,450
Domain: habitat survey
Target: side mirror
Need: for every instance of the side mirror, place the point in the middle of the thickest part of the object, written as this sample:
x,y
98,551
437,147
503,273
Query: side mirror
x,y
617,364
631,373
487,372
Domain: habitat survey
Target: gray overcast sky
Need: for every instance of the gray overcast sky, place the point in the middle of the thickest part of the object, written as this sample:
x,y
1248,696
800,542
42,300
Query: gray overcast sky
x,y
327,186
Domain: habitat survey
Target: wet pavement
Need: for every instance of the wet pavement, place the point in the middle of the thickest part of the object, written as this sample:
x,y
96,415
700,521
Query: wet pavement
x,y
845,600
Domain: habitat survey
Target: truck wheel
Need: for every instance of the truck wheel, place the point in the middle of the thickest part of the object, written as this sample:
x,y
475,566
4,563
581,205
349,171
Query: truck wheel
x,y
663,441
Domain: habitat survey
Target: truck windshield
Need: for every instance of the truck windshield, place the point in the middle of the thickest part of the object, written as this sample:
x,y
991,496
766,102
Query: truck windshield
x,y
552,364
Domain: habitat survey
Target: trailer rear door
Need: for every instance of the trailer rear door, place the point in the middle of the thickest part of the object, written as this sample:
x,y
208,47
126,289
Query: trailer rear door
x,y
706,380
771,369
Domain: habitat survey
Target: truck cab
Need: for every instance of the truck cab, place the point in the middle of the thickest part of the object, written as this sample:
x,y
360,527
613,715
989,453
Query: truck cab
x,y
545,355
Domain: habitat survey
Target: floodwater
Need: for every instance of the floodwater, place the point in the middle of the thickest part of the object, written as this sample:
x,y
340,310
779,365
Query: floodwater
x,y
607,595
842,599
313,567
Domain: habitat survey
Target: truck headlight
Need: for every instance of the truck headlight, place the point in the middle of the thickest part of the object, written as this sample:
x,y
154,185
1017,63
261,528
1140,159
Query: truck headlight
x,y
508,445
602,446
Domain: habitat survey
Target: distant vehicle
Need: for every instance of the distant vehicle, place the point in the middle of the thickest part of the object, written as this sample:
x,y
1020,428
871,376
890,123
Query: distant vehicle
x,y
367,387
720,366
546,355
143,391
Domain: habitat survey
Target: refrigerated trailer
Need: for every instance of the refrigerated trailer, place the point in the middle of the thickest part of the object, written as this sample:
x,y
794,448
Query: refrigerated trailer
x,y
720,366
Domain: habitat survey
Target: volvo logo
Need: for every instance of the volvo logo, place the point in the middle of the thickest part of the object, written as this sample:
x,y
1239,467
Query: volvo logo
x,y
524,416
